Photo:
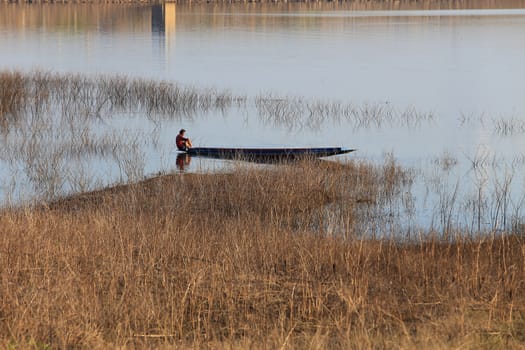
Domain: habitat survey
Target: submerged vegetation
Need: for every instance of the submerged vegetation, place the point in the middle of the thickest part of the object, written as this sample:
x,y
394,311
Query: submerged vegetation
x,y
99,96
54,126
299,113
73,96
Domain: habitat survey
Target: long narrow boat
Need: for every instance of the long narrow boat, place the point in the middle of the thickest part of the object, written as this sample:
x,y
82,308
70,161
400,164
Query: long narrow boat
x,y
266,154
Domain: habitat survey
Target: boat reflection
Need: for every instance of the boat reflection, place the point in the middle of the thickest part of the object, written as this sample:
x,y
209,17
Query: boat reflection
x,y
258,155
184,159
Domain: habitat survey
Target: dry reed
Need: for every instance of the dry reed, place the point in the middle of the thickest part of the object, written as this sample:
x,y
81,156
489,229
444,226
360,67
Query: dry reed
x,y
297,113
241,260
96,97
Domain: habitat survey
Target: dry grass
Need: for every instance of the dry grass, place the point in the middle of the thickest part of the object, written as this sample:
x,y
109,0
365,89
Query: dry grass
x,y
244,260
278,257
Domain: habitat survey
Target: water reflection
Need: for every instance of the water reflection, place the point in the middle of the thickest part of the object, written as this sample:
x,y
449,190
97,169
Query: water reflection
x,y
287,74
161,18
163,30
183,161
76,17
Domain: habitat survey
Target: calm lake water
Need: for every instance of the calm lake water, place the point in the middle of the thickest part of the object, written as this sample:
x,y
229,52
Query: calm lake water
x,y
461,69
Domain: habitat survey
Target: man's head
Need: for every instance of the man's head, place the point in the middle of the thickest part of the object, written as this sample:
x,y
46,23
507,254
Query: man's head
x,y
182,131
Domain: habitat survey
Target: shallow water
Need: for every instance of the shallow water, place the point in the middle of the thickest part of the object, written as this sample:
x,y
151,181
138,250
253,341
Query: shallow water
x,y
461,69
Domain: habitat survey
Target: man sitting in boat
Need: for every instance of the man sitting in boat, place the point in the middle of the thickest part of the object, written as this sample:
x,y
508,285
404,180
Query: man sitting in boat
x,y
183,143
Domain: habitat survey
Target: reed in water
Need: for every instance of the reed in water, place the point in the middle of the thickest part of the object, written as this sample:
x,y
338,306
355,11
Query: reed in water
x,y
103,96
53,126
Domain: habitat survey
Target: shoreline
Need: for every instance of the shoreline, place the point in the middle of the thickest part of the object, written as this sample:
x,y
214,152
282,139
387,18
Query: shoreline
x,y
231,260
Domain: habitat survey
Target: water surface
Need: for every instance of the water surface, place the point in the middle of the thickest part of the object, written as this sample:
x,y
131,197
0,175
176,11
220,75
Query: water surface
x,y
460,68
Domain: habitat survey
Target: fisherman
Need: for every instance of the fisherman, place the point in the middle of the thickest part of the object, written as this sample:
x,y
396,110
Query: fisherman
x,y
183,143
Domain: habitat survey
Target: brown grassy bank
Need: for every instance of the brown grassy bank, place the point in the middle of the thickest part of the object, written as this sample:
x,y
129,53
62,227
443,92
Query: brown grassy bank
x,y
244,260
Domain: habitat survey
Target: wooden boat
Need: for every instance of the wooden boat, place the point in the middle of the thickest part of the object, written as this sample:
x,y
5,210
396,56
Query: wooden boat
x,y
266,154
